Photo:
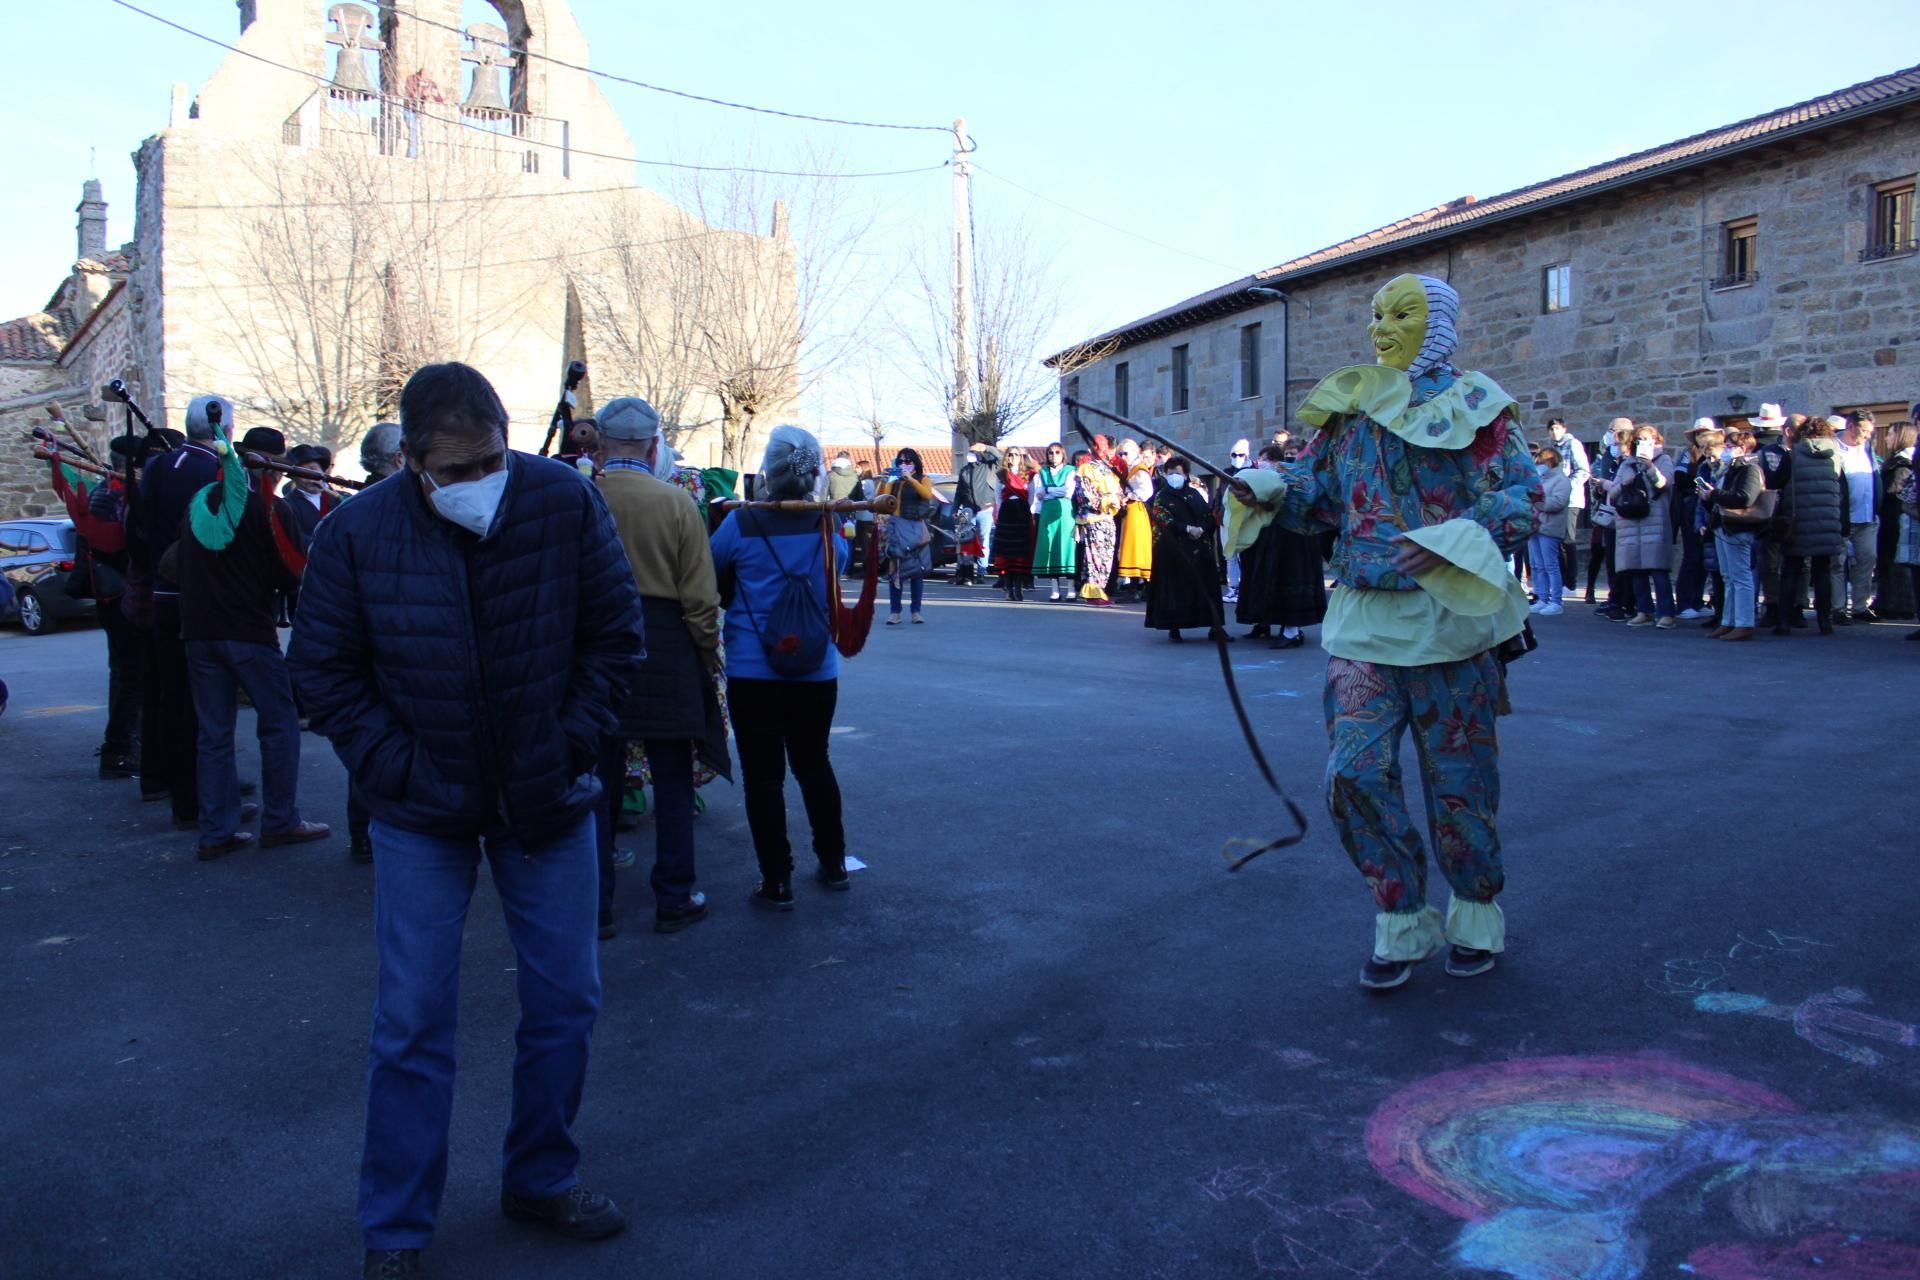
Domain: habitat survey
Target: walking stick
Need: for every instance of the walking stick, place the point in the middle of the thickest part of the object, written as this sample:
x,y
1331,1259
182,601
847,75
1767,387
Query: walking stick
x,y
563,411
1074,407
59,415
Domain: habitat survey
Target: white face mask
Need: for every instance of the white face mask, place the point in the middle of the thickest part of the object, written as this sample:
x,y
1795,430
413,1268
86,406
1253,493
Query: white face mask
x,y
1176,481
471,504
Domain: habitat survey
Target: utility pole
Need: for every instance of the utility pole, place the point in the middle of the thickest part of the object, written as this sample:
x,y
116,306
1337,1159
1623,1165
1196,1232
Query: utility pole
x,y
963,373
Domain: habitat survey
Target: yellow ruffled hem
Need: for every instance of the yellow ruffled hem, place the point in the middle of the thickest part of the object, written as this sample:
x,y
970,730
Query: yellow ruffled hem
x,y
1448,421
1479,925
1408,935
1092,591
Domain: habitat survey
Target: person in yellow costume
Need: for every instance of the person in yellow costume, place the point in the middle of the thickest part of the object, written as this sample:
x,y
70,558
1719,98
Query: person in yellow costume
x,y
1136,526
1425,475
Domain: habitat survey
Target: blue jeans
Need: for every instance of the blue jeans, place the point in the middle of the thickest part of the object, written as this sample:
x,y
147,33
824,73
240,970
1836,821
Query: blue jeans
x,y
1650,585
1543,554
422,885
216,669
918,586
671,764
1735,554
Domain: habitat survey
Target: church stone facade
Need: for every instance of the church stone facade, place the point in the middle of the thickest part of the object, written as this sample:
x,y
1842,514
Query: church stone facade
x,y
386,187
1772,260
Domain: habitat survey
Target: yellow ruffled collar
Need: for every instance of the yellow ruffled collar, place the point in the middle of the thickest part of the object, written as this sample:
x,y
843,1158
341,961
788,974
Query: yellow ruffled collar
x,y
1449,420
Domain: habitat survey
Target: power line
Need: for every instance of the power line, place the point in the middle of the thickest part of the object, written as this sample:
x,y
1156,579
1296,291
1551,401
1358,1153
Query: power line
x,y
1078,213
692,97
532,142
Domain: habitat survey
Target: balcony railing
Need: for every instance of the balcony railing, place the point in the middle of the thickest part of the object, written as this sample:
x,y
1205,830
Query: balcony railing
x,y
1733,280
1891,249
377,124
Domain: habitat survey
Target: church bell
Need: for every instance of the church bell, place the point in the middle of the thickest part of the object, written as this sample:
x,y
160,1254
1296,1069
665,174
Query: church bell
x,y
354,34
489,56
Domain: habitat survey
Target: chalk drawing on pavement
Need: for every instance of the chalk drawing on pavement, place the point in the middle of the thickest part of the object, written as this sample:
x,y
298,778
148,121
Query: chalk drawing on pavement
x,y
1550,1162
1829,1022
1691,975
1347,1236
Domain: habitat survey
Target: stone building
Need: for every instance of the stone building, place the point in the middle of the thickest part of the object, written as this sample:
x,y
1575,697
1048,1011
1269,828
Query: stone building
x,y
1770,260
355,192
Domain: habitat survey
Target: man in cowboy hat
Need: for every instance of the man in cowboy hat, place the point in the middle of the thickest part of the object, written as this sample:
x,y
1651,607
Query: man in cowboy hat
x,y
1774,459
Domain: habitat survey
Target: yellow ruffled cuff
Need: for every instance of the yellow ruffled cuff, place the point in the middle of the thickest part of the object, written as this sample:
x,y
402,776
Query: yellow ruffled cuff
x,y
1449,420
1244,522
1474,581
1480,925
1408,935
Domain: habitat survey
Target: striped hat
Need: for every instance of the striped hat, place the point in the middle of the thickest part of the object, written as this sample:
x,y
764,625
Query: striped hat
x,y
1443,312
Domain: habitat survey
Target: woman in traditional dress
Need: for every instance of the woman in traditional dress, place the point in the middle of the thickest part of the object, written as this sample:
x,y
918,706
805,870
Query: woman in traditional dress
x,y
1096,501
1013,526
909,540
1053,549
1185,586
1136,527
1282,579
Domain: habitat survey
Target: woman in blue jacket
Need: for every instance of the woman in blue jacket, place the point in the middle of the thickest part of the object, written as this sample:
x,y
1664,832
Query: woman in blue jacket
x,y
782,708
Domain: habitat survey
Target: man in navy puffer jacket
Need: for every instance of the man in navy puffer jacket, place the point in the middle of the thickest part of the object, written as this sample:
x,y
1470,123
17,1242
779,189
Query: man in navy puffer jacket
x,y
467,630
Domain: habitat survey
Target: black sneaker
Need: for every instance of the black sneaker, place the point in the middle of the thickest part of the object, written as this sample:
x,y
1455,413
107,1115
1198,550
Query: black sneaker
x,y
774,895
117,765
608,927
361,851
834,874
674,919
392,1264
1842,619
576,1213
1465,962
1384,975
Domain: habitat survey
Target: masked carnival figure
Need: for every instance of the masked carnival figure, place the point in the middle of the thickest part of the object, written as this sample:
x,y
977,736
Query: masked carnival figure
x,y
1423,473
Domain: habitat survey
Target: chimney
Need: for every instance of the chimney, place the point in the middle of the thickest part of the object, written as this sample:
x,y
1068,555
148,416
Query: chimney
x,y
93,221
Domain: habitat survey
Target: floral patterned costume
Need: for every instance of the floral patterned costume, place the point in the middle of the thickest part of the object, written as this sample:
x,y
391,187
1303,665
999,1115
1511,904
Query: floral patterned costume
x,y
1435,455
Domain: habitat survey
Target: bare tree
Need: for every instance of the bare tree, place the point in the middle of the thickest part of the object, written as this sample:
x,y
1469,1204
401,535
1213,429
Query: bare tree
x,y
640,296
354,270
1015,305
781,296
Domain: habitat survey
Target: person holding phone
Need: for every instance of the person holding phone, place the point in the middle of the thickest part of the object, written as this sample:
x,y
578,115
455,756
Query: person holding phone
x,y
909,538
1644,485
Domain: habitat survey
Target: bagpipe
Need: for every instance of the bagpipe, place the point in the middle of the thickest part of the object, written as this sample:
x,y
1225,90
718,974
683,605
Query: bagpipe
x,y
1220,642
850,627
261,462
562,421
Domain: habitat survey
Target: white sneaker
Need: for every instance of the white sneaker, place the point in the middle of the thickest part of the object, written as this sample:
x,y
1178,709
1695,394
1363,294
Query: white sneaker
x,y
1694,615
1549,611
1538,606
1055,597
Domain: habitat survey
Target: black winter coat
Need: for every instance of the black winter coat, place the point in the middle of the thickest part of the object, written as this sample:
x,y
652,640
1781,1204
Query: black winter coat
x,y
466,682
1816,499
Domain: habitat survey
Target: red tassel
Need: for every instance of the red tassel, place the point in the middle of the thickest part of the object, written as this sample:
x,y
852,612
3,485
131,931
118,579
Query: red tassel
x,y
289,550
851,627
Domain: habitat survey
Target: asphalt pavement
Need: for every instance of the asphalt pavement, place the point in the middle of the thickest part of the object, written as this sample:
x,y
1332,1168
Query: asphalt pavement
x,y
1048,1034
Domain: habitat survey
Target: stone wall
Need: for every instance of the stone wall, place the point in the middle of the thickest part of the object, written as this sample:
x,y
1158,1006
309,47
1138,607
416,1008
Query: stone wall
x,y
1645,336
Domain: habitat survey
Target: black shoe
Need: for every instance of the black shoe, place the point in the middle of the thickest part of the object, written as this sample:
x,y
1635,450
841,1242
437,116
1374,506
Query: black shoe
x,y
117,765
1842,620
1866,616
300,833
1260,632
248,812
1219,635
577,1213
239,840
1174,637
1826,626
392,1264
1465,962
834,874
1797,620
1384,975
1781,629
361,851
1296,641
774,895
608,927
674,919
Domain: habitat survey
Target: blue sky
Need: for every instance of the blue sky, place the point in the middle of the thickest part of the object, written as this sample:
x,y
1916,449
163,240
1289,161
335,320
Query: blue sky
x,y
1238,133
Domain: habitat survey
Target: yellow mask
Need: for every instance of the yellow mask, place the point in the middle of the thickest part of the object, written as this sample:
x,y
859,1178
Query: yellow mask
x,y
1399,322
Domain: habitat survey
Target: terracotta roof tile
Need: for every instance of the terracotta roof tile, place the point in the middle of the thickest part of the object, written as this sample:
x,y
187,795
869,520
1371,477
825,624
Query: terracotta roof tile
x,y
1865,98
35,338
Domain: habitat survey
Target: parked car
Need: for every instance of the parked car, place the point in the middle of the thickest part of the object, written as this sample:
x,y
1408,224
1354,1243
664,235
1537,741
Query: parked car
x,y
36,556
